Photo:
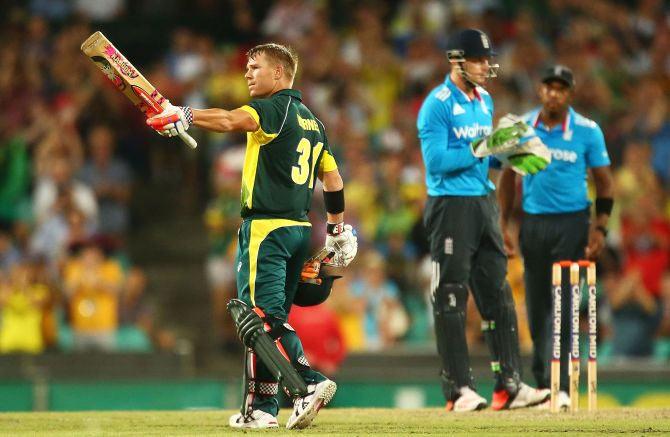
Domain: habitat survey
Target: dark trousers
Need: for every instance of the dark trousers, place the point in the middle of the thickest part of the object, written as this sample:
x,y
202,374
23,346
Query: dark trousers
x,y
466,242
546,238
467,252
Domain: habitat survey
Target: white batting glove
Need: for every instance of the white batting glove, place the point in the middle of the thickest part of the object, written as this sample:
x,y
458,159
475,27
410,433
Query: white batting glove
x,y
342,241
172,121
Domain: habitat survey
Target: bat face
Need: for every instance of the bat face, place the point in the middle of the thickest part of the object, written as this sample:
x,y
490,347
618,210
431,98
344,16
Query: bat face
x,y
108,71
152,102
148,103
122,63
127,79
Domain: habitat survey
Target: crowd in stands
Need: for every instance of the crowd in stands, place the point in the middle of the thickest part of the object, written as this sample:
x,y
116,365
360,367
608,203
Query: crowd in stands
x,y
66,281
364,70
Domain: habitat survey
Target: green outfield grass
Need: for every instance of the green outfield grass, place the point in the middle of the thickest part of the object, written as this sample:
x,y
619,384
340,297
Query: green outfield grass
x,y
343,421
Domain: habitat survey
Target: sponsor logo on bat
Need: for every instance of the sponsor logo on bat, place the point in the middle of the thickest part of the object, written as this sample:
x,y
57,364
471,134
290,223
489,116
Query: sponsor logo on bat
x,y
155,96
108,71
152,106
124,66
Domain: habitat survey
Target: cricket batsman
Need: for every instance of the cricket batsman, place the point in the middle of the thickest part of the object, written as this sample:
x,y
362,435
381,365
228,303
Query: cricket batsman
x,y
287,149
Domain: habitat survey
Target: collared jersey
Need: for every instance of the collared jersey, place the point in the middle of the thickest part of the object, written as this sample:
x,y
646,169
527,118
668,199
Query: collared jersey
x,y
576,145
283,158
448,122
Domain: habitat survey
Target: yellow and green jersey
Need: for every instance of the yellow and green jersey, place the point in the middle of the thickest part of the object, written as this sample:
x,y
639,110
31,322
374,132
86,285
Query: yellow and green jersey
x,y
283,158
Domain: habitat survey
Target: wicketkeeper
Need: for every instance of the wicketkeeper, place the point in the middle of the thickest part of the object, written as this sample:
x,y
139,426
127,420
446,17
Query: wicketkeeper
x,y
461,217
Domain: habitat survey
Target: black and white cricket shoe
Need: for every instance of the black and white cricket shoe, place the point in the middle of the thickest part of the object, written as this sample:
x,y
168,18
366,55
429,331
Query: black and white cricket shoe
x,y
257,419
307,407
468,400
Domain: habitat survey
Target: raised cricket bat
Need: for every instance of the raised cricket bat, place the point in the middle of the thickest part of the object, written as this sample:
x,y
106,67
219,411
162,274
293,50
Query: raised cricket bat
x,y
127,78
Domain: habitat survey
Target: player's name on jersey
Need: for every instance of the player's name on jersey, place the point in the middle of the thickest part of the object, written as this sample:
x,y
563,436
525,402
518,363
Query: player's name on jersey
x,y
308,124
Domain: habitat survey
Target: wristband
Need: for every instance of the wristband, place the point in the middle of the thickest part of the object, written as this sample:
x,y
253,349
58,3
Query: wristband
x,y
334,228
188,113
604,205
334,201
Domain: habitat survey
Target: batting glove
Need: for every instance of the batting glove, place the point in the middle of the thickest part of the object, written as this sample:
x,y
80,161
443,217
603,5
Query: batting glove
x,y
342,241
173,121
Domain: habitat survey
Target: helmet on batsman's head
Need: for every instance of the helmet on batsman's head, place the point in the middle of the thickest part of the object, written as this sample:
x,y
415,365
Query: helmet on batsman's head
x,y
314,293
469,43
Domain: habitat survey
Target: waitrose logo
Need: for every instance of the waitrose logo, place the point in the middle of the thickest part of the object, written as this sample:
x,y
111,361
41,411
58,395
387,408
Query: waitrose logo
x,y
473,131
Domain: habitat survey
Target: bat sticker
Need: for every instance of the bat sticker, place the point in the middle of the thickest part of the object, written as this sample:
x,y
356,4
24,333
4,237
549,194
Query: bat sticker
x,y
153,107
108,70
124,66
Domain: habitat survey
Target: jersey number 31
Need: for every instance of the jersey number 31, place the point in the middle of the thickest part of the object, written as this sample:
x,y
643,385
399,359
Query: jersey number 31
x,y
303,171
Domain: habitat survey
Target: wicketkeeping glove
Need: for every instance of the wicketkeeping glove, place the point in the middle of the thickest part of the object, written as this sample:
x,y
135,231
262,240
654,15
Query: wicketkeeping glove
x,y
527,164
342,241
506,136
516,144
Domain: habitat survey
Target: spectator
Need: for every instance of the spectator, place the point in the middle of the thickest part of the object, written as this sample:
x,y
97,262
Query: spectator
x,y
662,349
222,222
110,179
52,238
22,300
138,329
636,296
60,190
321,336
92,285
351,314
15,177
385,319
9,254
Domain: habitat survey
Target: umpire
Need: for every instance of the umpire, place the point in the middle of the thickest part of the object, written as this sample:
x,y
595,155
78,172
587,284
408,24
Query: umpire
x,y
461,217
557,222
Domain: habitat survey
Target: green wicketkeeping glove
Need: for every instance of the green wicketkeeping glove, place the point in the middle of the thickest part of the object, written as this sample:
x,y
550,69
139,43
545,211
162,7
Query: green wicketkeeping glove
x,y
501,139
528,164
506,135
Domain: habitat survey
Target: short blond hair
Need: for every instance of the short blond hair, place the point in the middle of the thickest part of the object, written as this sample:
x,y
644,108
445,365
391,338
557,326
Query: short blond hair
x,y
283,55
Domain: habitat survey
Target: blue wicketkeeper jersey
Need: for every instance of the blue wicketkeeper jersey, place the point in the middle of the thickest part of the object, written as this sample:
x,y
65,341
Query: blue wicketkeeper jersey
x,y
576,145
448,122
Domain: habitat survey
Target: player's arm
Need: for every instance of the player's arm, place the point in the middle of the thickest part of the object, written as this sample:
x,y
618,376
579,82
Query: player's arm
x,y
597,159
602,177
433,126
506,188
333,183
177,119
220,120
341,239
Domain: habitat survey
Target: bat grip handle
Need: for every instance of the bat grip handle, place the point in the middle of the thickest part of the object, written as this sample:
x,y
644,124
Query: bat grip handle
x,y
185,137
